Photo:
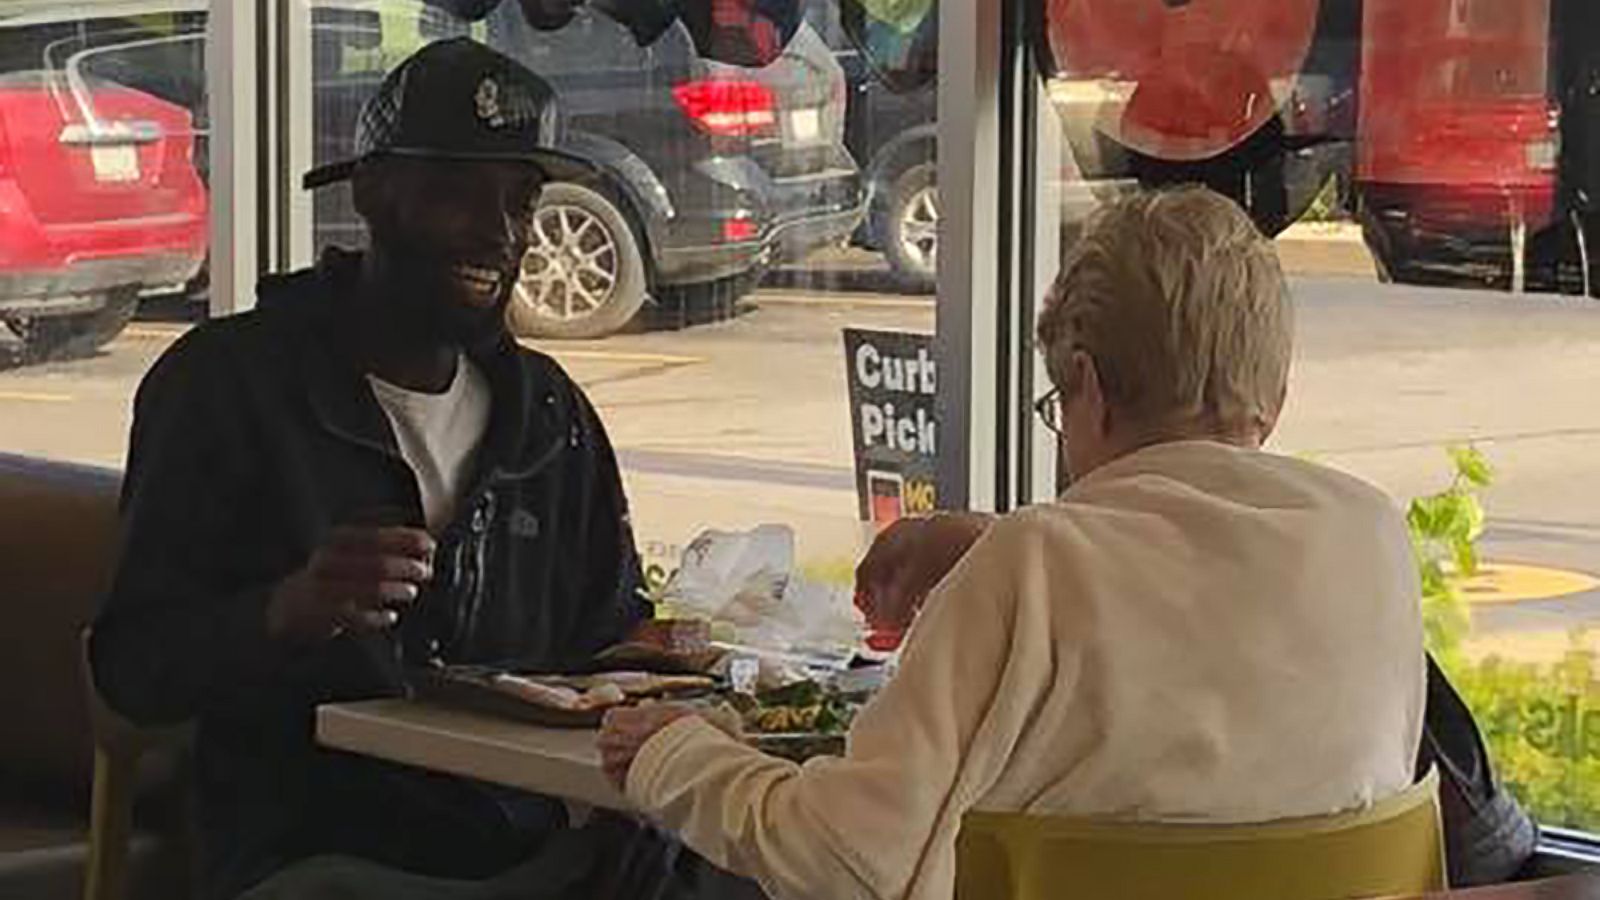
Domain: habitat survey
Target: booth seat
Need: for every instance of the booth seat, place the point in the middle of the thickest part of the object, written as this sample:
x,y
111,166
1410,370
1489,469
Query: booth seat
x,y
57,552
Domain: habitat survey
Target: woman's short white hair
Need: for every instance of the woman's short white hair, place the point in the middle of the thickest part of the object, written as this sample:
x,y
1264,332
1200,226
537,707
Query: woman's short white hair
x,y
1182,304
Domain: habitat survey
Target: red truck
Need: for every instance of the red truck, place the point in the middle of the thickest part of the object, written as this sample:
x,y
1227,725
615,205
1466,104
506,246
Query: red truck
x,y
1458,147
1458,129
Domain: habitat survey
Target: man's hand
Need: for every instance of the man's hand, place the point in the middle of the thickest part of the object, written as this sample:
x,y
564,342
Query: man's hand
x,y
358,580
625,732
908,560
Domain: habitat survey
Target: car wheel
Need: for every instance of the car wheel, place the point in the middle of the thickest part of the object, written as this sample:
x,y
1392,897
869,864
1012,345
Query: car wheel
x,y
1378,242
911,238
584,275
55,338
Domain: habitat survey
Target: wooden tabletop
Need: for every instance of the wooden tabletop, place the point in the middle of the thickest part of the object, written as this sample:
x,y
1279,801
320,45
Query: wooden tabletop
x,y
1574,887
566,763
550,761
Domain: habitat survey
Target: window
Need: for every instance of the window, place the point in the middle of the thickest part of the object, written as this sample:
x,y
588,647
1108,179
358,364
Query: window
x,y
1426,167
751,287
103,210
767,182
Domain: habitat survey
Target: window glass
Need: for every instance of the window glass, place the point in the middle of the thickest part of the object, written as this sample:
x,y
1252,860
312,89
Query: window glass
x,y
103,211
1426,168
767,182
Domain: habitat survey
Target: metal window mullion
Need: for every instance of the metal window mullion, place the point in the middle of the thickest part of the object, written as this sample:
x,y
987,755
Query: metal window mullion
x,y
296,118
235,34
969,183
1039,258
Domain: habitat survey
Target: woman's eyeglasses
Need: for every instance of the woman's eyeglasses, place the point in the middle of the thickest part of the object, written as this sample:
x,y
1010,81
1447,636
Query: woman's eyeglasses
x,y
1048,409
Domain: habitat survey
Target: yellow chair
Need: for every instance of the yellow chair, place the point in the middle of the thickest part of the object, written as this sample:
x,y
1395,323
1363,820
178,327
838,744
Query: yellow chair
x,y
1394,848
118,747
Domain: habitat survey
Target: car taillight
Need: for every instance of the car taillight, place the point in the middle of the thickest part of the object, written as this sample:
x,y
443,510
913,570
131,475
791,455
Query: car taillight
x,y
728,107
734,230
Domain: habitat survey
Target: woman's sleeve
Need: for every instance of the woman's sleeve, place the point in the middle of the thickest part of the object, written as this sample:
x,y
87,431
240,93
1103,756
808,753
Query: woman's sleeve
x,y
882,821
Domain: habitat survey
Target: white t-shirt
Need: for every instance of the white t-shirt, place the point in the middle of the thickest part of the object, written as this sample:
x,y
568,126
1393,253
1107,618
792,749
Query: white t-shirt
x,y
438,435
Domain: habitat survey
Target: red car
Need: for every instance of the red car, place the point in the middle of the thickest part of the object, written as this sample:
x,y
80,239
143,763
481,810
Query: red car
x,y
100,200
1460,137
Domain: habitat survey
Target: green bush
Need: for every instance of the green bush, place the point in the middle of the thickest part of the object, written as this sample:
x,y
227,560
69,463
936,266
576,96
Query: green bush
x,y
1445,528
1542,725
1540,720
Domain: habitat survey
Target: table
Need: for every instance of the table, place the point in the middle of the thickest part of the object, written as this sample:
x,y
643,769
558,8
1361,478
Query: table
x,y
566,763
551,761
1572,887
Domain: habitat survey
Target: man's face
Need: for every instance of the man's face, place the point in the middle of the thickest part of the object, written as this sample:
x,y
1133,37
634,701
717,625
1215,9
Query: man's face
x,y
448,239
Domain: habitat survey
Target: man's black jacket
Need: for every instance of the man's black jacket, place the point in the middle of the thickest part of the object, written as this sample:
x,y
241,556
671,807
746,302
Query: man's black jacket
x,y
252,438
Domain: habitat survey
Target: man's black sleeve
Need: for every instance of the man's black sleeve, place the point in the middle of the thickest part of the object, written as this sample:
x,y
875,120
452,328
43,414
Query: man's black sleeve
x,y
180,630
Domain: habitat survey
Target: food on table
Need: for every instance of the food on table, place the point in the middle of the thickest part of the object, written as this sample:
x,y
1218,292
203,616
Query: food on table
x,y
589,693
804,707
559,696
644,684
603,696
679,636
666,645
786,719
554,696
799,721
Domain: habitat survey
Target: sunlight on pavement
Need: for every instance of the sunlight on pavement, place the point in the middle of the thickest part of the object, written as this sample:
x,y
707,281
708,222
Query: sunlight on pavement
x,y
30,397
1514,583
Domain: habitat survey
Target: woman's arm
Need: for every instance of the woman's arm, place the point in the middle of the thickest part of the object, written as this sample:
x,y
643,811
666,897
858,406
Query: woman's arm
x,y
908,560
882,821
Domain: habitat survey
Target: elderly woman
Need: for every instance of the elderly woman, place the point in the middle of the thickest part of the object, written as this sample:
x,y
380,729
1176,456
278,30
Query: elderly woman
x,y
1196,631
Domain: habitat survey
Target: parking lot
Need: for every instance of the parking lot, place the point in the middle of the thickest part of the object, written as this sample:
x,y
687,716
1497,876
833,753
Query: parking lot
x,y
745,421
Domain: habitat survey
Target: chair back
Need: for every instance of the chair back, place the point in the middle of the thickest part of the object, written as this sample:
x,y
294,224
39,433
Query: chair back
x,y
58,546
1395,847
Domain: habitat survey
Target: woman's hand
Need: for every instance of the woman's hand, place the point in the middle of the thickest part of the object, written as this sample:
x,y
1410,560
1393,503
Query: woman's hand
x,y
626,730
908,560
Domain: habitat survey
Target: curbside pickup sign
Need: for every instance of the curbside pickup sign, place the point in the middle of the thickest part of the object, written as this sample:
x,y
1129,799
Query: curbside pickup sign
x,y
893,382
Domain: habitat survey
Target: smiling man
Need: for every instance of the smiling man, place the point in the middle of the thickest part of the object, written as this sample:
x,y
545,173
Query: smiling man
x,y
363,474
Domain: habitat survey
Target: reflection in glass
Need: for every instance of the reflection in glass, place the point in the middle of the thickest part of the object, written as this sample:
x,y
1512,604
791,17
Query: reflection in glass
x,y
766,177
103,159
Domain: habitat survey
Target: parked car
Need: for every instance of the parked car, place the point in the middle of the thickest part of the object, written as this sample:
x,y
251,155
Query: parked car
x,y
1464,174
895,136
892,131
1459,138
101,197
708,172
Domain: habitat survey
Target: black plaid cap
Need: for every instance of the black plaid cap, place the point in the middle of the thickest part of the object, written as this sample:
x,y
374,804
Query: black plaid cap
x,y
458,99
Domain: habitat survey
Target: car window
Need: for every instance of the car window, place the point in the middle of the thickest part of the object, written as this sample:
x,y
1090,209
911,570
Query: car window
x,y
589,41
160,54
168,62
27,48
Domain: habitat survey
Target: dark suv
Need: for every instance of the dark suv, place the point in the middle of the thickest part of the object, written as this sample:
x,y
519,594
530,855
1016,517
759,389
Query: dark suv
x,y
894,134
891,130
709,172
